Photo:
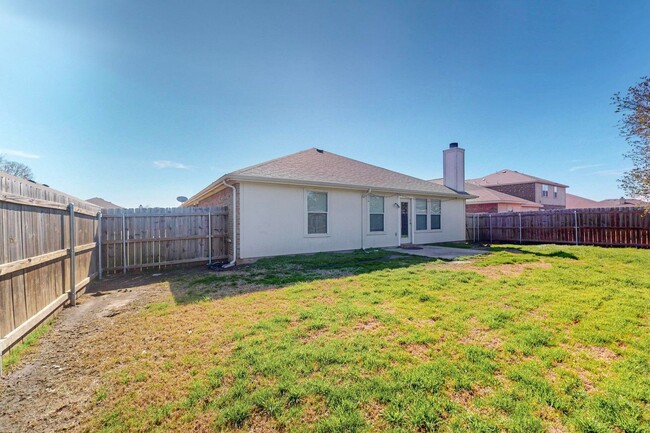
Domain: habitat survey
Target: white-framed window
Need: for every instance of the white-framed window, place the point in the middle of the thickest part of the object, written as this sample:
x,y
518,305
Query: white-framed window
x,y
317,212
555,192
435,216
421,212
544,190
376,213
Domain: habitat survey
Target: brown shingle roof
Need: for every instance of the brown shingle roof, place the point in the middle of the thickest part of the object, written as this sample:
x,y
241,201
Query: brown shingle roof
x,y
104,204
576,202
622,202
318,166
487,195
511,177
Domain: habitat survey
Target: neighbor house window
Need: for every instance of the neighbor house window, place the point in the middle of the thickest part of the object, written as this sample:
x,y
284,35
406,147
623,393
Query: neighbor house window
x,y
420,214
555,191
376,208
316,212
544,190
435,214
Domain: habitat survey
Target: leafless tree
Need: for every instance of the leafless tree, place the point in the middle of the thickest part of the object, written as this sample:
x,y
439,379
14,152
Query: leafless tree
x,y
15,168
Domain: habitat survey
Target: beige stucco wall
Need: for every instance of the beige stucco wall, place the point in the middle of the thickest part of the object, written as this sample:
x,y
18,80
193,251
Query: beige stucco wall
x,y
550,200
273,220
512,207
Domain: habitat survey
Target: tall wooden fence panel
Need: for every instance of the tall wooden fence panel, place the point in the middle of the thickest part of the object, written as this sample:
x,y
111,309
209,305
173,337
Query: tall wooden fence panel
x,y
615,227
136,239
36,246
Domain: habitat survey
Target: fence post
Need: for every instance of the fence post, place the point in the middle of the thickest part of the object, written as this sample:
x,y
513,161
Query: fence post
x,y
209,237
490,217
575,219
520,228
123,242
72,295
99,244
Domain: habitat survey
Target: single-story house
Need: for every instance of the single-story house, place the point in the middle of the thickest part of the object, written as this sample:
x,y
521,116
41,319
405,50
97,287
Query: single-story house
x,y
314,201
488,200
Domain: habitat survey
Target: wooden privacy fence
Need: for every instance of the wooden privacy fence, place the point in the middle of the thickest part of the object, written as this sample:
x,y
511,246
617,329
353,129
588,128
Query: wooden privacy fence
x,y
48,253
615,227
146,238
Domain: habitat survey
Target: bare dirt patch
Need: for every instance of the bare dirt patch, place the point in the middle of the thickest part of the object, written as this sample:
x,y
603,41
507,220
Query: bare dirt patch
x,y
495,271
49,389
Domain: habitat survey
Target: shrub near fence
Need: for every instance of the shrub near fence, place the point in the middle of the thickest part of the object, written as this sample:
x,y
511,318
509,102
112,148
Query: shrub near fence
x,y
40,230
615,227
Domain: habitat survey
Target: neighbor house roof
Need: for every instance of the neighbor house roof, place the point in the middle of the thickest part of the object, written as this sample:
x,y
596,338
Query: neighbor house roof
x,y
576,202
104,204
321,168
622,202
487,195
511,177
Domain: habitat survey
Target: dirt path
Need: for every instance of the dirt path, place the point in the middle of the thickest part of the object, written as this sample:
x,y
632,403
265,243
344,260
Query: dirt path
x,y
51,386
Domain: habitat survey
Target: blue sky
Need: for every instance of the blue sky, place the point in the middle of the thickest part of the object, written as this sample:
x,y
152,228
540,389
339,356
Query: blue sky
x,y
139,102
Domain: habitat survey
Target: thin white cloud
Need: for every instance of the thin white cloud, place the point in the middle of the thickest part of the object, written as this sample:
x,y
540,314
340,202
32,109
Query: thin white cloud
x,y
170,164
612,172
582,167
19,154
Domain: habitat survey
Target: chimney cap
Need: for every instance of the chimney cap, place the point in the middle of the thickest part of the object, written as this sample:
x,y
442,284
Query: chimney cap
x,y
453,145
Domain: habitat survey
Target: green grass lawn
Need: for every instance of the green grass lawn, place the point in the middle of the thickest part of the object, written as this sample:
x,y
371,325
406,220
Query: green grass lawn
x,y
530,339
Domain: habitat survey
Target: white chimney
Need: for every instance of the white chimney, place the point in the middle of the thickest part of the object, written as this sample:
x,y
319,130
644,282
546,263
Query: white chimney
x,y
453,170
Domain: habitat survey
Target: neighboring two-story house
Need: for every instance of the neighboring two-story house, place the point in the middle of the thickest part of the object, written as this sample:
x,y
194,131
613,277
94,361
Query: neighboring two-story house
x,y
549,194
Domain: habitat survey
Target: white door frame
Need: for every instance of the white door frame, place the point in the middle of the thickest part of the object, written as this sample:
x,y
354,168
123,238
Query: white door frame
x,y
409,238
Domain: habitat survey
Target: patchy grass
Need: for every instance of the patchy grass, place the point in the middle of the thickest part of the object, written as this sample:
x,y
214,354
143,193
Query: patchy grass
x,y
11,358
365,342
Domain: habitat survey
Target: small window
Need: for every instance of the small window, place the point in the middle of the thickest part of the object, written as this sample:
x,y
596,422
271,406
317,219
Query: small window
x,y
420,214
435,214
555,191
544,190
316,212
376,210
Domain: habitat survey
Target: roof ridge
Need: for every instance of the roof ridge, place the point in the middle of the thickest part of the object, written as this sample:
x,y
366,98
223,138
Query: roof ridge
x,y
382,168
260,164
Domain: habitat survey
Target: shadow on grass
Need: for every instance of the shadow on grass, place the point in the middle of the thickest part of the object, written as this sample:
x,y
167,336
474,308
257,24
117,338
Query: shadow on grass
x,y
197,284
555,254
278,272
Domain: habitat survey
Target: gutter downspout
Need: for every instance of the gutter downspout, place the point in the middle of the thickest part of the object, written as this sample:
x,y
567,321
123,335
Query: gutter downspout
x,y
363,233
234,226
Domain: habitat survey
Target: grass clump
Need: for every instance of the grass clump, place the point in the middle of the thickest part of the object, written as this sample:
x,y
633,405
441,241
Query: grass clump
x,y
11,359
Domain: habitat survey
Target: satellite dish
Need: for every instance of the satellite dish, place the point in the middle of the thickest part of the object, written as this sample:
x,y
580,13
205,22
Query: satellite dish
x,y
181,198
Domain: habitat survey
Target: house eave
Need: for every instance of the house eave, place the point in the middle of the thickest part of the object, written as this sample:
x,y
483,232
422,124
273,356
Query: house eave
x,y
218,184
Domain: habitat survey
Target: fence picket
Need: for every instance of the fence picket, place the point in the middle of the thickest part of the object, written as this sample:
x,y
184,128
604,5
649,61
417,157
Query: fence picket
x,y
601,226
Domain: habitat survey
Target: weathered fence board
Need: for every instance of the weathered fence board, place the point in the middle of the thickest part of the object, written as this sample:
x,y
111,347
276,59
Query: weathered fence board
x,y
35,252
615,227
145,238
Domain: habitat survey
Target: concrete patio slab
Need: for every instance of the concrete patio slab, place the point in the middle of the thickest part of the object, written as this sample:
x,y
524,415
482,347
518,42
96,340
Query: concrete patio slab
x,y
438,252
